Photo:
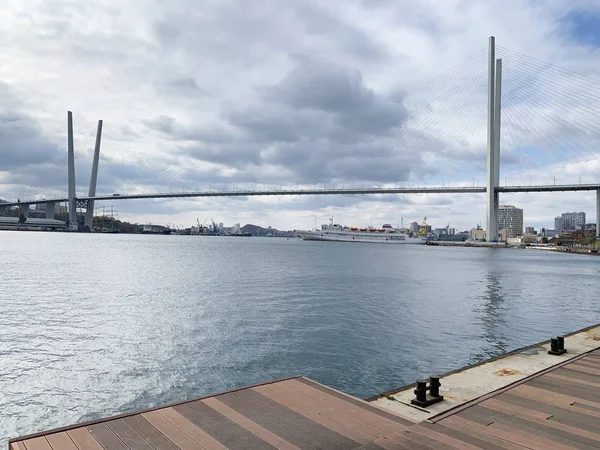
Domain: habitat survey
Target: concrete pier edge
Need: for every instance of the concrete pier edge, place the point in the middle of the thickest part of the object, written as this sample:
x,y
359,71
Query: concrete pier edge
x,y
480,363
508,387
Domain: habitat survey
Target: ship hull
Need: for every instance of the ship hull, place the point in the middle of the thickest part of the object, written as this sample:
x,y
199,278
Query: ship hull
x,y
368,238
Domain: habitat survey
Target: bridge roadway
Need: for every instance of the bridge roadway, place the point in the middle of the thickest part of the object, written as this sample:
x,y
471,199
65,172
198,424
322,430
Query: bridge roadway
x,y
361,191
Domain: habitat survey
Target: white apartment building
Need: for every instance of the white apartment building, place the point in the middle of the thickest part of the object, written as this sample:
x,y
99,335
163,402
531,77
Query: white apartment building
x,y
511,218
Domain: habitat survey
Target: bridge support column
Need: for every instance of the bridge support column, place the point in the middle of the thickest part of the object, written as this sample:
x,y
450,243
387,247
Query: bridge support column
x,y
50,210
89,213
598,214
492,164
496,168
2,211
71,175
25,210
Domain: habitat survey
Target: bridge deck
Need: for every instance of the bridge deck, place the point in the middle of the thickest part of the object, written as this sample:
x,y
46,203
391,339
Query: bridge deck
x,y
325,191
558,408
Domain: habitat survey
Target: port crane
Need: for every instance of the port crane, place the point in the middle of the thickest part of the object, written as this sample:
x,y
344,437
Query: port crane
x,y
202,227
423,227
215,228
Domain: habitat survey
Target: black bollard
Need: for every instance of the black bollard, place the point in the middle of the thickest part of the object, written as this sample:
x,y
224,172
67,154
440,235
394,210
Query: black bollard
x,y
422,399
557,346
421,391
434,386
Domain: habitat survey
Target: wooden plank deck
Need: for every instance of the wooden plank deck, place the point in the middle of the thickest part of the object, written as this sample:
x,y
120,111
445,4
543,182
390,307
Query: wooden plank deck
x,y
558,408
290,414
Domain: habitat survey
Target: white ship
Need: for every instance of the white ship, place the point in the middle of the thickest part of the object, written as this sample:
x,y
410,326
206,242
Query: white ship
x,y
385,235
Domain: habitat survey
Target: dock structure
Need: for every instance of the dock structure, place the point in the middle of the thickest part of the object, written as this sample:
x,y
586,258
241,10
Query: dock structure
x,y
291,414
543,398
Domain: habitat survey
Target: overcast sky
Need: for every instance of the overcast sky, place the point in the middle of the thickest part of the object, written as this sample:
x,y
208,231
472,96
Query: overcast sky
x,y
235,94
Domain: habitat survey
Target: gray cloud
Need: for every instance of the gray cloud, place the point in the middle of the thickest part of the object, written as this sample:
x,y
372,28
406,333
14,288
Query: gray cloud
x,y
185,87
162,123
220,28
22,140
319,123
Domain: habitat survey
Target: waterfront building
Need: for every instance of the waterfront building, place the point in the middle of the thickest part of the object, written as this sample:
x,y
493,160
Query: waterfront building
x,y
570,221
477,234
530,230
547,232
511,218
446,231
414,227
503,235
558,223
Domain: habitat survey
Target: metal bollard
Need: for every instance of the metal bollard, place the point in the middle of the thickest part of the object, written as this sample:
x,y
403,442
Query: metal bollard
x,y
421,391
422,398
561,343
434,386
557,346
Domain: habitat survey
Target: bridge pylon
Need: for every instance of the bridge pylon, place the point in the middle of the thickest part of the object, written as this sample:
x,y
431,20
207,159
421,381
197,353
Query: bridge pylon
x,y
72,198
493,147
598,214
89,213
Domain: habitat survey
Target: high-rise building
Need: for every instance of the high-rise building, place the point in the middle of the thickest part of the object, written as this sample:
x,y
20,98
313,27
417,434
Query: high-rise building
x,y
529,230
414,227
570,221
558,223
511,218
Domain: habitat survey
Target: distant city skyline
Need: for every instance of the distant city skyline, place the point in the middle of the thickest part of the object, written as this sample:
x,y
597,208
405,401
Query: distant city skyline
x,y
314,97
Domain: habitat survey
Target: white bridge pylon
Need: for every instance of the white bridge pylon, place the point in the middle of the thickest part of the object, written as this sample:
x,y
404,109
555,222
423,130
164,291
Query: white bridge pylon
x,y
72,199
493,147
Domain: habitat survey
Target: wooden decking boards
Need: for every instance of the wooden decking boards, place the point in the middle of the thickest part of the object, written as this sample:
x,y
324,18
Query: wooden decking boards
x,y
555,409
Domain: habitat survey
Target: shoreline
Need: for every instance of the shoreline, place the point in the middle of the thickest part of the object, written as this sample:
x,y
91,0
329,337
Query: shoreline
x,y
549,248
465,384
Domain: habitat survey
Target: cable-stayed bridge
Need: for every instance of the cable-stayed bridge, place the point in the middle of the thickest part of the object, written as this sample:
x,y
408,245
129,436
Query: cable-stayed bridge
x,y
543,118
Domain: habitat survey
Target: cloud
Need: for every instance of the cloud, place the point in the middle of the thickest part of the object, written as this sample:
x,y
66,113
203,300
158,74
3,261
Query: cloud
x,y
239,94
162,123
181,87
319,122
22,140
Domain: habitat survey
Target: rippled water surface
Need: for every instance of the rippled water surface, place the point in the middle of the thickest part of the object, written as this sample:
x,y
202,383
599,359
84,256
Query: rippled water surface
x,y
93,325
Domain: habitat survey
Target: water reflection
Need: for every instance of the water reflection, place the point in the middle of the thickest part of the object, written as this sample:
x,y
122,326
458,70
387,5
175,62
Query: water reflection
x,y
491,317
